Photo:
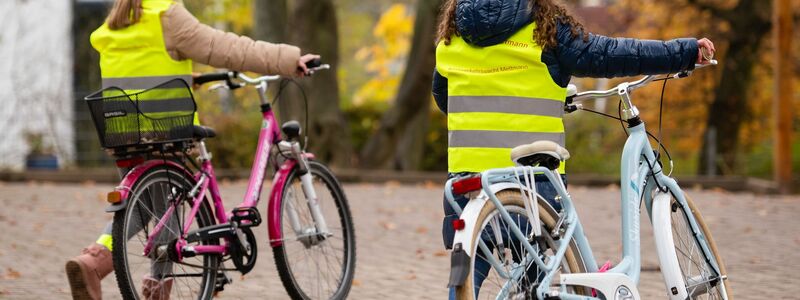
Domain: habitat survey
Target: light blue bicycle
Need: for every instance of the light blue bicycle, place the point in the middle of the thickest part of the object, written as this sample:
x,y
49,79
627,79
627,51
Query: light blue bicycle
x,y
498,254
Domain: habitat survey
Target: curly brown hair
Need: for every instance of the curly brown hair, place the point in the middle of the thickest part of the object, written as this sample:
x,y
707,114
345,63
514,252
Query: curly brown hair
x,y
546,15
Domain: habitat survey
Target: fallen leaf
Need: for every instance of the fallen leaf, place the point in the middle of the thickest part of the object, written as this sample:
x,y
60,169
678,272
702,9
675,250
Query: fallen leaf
x,y
440,253
11,274
430,185
388,225
356,282
391,183
422,230
385,211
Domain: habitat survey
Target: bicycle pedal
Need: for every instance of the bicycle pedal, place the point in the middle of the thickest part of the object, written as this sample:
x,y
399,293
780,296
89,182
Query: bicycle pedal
x,y
246,216
222,280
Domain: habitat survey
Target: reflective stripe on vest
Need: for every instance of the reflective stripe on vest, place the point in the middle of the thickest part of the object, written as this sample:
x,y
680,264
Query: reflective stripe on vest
x,y
500,97
135,59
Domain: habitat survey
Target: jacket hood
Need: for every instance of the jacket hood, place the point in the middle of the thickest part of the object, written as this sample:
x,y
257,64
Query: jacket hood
x,y
490,22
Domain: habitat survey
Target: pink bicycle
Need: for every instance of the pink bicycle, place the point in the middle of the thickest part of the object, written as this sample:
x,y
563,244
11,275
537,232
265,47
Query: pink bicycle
x,y
166,227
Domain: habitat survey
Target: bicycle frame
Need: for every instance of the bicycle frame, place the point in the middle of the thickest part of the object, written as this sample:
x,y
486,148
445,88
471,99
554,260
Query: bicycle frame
x,y
205,179
639,174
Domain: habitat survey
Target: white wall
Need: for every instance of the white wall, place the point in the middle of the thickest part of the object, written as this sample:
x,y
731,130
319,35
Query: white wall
x,y
35,78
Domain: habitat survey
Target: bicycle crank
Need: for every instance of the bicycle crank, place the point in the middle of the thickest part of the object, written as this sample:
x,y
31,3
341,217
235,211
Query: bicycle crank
x,y
243,250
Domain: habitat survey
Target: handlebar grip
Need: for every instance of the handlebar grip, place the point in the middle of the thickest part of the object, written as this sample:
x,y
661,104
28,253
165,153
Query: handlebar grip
x,y
214,77
313,63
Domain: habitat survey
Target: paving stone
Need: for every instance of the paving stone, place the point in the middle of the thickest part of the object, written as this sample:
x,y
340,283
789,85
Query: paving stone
x,y
399,247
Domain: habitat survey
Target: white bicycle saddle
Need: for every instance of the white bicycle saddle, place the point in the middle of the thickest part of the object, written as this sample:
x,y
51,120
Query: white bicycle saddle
x,y
544,153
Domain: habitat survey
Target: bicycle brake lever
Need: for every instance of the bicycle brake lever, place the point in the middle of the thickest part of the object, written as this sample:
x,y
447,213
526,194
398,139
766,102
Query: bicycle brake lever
x,y
682,74
217,86
313,70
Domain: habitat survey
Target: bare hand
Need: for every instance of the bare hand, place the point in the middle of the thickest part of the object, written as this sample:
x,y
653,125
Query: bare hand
x,y
302,70
706,51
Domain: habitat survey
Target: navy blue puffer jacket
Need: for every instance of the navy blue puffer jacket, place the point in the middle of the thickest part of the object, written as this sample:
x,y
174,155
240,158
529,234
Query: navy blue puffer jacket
x,y
489,22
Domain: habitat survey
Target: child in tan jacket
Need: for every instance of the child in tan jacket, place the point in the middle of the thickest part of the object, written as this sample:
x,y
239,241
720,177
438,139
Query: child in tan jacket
x,y
147,39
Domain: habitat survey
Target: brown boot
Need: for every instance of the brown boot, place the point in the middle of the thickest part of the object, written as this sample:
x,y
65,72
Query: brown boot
x,y
85,271
153,289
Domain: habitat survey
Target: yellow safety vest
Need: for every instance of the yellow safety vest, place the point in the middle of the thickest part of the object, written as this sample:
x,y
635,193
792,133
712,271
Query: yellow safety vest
x,y
499,97
134,59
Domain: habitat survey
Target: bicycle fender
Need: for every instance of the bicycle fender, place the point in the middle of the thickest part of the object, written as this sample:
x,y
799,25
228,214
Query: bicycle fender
x,y
125,186
470,215
275,196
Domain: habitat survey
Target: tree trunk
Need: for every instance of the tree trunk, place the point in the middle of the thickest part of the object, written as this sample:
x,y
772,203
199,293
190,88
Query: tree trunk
x,y
749,23
399,141
314,30
269,17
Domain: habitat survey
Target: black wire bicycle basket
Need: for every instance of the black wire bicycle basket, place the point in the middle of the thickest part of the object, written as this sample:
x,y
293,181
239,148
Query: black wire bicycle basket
x,y
161,114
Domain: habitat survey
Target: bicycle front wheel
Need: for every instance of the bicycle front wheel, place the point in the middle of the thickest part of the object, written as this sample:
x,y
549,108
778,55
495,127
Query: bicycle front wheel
x,y
681,253
150,198
314,264
484,281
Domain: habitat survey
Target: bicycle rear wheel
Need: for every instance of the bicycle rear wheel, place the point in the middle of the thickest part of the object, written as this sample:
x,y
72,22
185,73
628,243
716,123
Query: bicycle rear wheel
x,y
489,283
314,265
681,255
149,199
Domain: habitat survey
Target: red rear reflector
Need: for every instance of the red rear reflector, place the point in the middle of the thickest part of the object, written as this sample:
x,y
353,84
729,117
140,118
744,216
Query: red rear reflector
x,y
458,224
467,185
129,162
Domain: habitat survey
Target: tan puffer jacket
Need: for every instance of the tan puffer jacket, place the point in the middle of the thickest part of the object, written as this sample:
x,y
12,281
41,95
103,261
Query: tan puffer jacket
x,y
186,38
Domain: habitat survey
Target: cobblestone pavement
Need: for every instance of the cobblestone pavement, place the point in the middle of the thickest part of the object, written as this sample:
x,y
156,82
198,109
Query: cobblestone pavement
x,y
400,253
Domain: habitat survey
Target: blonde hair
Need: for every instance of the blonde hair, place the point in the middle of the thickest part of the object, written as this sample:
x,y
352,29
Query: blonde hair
x,y
124,13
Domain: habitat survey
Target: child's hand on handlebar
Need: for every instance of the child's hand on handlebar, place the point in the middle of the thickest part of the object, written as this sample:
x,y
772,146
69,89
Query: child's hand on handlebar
x,y
706,51
302,68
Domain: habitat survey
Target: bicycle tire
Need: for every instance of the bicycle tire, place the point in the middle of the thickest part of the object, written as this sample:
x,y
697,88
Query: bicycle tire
x,y
512,200
291,272
145,196
678,224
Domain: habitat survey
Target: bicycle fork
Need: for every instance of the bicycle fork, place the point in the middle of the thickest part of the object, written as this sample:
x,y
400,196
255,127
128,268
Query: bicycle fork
x,y
309,236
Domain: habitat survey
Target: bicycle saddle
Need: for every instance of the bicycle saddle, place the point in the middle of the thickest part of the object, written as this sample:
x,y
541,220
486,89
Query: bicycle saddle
x,y
202,132
543,153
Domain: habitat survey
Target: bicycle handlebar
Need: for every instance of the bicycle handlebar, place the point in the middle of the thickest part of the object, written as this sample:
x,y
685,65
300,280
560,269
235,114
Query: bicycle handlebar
x,y
313,66
205,78
632,85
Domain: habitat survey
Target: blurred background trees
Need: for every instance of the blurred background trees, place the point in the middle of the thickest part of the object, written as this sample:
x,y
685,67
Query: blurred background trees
x,y
374,108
